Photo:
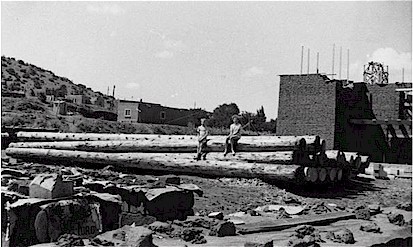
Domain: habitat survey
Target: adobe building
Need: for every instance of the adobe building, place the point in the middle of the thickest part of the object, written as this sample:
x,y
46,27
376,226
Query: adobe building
x,y
372,119
144,112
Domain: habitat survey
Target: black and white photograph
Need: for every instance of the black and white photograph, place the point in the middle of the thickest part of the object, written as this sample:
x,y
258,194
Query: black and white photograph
x,y
206,123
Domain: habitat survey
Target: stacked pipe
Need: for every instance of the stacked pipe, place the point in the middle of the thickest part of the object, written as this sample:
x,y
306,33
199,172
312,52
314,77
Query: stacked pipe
x,y
277,158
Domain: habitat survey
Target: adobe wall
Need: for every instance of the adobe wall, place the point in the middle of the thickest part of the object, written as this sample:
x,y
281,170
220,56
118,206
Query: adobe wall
x,y
307,106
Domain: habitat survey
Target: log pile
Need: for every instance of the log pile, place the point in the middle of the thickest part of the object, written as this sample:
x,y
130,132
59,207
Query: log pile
x,y
275,158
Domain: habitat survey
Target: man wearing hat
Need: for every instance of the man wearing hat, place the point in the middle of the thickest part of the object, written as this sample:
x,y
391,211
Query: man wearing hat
x,y
234,135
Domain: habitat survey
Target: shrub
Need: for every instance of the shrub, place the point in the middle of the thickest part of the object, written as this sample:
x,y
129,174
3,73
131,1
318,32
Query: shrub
x,y
11,71
15,86
37,84
42,97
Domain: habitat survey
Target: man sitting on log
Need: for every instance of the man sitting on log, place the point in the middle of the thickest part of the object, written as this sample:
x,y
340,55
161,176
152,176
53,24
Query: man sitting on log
x,y
234,135
202,140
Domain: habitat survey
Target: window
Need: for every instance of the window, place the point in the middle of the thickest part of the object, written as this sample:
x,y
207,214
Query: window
x,y
127,113
163,115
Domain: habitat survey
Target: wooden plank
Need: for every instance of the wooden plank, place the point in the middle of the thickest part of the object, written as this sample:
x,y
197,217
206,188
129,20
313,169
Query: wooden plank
x,y
281,224
381,122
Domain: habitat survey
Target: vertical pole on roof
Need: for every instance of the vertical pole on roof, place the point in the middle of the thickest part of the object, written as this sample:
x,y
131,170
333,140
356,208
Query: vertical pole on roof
x,y
317,61
332,72
348,64
302,54
339,70
402,75
308,62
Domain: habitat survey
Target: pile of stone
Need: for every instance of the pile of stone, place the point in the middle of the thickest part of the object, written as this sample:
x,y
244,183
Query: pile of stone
x,y
44,207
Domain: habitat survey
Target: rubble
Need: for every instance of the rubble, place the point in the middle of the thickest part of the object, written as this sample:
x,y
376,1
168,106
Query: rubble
x,y
397,219
68,240
216,215
193,236
223,229
341,236
362,212
291,210
269,243
307,241
305,235
161,227
50,186
407,206
136,236
20,186
77,216
370,227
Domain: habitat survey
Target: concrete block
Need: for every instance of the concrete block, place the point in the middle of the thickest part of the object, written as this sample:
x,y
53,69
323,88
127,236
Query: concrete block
x,y
76,216
50,186
129,236
216,215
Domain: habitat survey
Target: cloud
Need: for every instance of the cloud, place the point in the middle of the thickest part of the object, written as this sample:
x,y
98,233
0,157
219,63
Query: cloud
x,y
392,58
107,8
254,71
174,45
133,85
388,56
164,54
170,46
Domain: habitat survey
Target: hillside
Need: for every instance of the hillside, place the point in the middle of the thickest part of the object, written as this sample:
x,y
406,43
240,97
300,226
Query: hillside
x,y
21,78
28,92
24,103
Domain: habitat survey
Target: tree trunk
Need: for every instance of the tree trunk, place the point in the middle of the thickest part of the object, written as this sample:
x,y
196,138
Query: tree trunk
x,y
172,144
274,141
160,162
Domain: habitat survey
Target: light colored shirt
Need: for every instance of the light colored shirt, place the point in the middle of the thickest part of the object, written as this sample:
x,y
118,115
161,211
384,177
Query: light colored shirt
x,y
202,133
235,130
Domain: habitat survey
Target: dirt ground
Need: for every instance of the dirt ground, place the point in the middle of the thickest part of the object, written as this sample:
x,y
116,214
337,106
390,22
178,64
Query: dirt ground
x,y
230,195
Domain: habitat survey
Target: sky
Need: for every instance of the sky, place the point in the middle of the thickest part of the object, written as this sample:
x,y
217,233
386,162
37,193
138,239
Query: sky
x,y
204,54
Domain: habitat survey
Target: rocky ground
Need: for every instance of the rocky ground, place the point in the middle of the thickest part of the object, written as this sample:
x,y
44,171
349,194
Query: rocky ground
x,y
230,195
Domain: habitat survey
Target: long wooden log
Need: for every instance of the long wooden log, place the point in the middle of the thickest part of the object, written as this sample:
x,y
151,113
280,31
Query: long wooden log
x,y
173,144
45,136
166,163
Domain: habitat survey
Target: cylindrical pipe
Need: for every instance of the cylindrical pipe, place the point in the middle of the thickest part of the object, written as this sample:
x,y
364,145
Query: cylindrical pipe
x,y
339,70
402,74
332,72
308,62
317,61
302,54
348,64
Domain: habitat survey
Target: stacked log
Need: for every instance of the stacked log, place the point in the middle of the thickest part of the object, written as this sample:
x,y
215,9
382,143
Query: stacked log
x,y
157,143
267,157
163,163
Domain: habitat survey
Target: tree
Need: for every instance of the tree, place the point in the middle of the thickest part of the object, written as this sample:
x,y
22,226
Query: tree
x,y
42,97
260,118
221,117
61,92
